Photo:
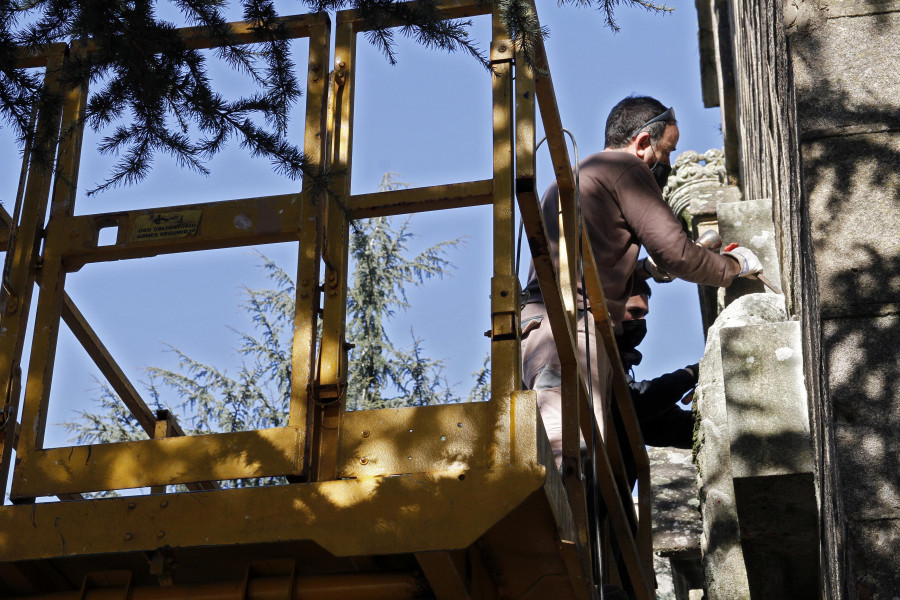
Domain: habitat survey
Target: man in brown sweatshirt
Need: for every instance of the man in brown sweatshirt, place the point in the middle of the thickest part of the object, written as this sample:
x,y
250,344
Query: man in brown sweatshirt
x,y
621,200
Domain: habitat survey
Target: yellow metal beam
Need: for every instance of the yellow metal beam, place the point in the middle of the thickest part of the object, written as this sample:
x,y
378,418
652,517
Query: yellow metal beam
x,y
311,221
351,517
243,32
506,363
168,461
189,227
546,96
330,383
41,56
50,298
450,9
167,426
415,200
22,256
635,440
197,38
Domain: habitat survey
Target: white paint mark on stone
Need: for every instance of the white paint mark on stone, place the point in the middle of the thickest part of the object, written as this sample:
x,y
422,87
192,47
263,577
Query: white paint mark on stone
x,y
758,241
738,223
243,222
784,353
751,359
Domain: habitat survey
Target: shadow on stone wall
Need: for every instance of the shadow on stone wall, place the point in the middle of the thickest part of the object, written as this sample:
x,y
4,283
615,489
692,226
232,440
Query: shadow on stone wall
x,y
848,107
862,362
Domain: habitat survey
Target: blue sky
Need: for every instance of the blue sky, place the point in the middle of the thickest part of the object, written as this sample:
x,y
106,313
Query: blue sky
x,y
427,119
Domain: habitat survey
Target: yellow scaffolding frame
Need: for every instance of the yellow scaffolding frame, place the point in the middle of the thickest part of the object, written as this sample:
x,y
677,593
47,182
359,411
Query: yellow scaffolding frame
x,y
362,471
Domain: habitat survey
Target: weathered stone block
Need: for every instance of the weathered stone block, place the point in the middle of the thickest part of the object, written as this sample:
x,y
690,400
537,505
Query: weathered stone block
x,y
768,417
704,202
750,224
862,355
853,185
676,522
676,503
771,458
840,83
723,560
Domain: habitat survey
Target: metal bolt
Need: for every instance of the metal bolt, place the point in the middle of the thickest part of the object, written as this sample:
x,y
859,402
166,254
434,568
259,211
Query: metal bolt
x,y
74,233
365,433
501,48
163,503
129,537
160,534
364,461
342,64
131,505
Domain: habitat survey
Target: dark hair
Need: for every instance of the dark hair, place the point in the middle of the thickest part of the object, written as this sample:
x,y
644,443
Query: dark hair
x,y
627,116
640,287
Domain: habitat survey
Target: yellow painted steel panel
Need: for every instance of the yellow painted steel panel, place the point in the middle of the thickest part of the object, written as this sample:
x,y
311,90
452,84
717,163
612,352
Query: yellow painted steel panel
x,y
351,517
264,452
416,440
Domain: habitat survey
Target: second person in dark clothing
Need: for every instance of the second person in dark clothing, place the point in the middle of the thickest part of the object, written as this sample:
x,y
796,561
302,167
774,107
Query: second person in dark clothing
x,y
662,422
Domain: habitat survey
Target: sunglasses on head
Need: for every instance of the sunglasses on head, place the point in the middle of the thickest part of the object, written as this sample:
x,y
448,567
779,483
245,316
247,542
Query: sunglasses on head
x,y
669,115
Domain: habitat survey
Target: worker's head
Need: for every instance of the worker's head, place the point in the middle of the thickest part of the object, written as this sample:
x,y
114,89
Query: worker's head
x,y
634,326
638,305
643,126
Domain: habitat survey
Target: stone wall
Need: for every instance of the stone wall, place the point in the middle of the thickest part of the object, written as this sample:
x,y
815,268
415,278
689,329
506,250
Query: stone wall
x,y
815,108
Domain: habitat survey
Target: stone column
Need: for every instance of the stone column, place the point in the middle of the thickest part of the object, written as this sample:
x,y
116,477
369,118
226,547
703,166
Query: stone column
x,y
695,189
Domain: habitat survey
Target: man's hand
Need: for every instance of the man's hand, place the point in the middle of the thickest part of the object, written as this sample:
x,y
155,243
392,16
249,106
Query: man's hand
x,y
750,265
651,268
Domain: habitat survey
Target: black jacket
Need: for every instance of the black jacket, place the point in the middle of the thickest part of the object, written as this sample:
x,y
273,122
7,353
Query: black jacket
x,y
653,397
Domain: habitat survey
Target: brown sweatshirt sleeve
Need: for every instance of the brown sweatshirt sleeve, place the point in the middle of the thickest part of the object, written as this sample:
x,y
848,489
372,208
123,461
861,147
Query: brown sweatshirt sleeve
x,y
652,222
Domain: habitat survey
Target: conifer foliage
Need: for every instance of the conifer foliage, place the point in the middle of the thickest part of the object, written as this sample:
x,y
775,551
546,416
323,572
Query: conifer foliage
x,y
151,94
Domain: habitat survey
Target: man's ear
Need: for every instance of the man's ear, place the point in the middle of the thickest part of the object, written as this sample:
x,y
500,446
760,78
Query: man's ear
x,y
641,143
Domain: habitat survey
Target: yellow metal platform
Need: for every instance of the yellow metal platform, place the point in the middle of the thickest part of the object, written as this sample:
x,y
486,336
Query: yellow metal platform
x,y
455,501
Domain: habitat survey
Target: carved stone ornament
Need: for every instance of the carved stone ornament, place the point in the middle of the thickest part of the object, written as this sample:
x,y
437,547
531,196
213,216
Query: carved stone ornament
x,y
693,174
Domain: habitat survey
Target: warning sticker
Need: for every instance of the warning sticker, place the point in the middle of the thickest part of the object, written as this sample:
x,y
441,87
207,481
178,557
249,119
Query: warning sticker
x,y
167,225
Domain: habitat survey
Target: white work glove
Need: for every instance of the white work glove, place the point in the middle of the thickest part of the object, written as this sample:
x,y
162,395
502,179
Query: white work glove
x,y
749,263
658,275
